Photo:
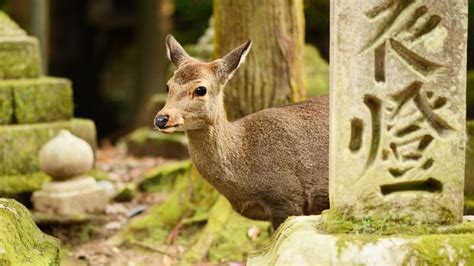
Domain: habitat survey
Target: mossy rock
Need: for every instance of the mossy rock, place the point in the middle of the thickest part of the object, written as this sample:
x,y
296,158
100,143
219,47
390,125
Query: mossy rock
x,y
210,229
20,187
19,58
304,241
21,143
41,100
146,142
317,72
469,184
8,27
21,242
127,193
6,105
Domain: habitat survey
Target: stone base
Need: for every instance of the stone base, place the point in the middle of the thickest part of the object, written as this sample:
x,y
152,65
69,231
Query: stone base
x,y
77,196
21,143
146,142
302,241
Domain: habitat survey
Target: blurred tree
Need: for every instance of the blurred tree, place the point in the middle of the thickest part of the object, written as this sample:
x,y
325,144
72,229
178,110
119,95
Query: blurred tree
x,y
317,24
273,74
153,25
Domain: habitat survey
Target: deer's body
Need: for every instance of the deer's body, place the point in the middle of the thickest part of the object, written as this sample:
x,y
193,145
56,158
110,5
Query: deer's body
x,y
269,165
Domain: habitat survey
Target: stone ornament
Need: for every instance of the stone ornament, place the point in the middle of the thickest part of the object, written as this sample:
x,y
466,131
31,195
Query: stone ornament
x,y
66,156
398,80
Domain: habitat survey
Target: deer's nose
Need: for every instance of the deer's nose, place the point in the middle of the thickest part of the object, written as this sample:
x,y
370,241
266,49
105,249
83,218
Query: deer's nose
x,y
161,120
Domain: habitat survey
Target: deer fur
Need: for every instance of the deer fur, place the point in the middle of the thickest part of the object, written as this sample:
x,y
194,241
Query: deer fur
x,y
269,165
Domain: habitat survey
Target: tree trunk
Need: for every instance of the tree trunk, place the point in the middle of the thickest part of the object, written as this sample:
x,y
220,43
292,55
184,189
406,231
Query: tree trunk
x,y
273,74
153,24
39,27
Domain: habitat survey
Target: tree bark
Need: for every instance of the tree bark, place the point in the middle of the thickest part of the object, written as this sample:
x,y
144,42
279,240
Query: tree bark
x,y
153,25
273,73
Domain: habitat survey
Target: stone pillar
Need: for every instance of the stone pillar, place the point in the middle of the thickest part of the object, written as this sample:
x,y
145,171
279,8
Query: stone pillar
x,y
398,74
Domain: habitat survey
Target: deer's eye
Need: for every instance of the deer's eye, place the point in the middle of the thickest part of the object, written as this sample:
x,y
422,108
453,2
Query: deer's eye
x,y
200,91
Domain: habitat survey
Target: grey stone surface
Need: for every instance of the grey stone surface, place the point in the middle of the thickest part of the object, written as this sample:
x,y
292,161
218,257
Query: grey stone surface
x,y
398,109
77,196
301,241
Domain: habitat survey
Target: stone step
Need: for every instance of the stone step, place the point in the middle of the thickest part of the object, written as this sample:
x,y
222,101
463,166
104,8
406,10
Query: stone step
x,y
20,144
38,100
19,57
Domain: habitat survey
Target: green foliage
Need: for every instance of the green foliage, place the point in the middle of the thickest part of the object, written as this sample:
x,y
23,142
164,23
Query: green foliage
x,y
317,72
191,19
470,92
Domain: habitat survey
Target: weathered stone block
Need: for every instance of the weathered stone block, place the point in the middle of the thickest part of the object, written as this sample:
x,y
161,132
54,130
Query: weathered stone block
x,y
20,144
6,106
398,109
21,241
76,196
19,57
41,100
303,241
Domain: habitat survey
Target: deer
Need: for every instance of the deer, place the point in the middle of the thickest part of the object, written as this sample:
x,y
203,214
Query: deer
x,y
269,165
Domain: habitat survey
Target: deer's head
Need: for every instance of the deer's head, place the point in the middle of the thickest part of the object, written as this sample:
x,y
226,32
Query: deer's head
x,y
195,92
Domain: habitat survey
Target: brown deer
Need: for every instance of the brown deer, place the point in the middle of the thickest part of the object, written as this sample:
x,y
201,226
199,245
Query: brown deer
x,y
269,165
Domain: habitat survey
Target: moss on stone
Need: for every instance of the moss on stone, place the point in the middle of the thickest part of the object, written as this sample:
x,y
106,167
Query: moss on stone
x,y
19,58
334,222
21,143
6,106
21,186
164,177
8,27
317,72
41,100
298,240
127,193
21,242
146,142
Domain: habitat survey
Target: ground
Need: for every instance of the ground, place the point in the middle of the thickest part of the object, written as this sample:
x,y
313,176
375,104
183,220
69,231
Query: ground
x,y
174,217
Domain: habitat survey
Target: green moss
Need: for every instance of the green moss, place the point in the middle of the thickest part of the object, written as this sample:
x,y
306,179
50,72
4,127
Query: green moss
x,y
20,187
21,143
334,222
21,242
19,58
210,229
190,196
98,174
40,100
317,72
127,193
164,177
6,106
8,27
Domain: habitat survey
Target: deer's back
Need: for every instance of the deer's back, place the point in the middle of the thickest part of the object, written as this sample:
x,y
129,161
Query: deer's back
x,y
287,150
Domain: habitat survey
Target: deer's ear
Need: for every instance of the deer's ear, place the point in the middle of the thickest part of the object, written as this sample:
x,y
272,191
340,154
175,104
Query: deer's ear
x,y
229,63
175,52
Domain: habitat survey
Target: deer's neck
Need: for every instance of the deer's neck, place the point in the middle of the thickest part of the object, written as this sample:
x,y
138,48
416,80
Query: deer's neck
x,y
213,151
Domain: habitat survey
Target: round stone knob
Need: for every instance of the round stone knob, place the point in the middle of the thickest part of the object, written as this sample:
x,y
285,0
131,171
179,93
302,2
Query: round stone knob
x,y
66,156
